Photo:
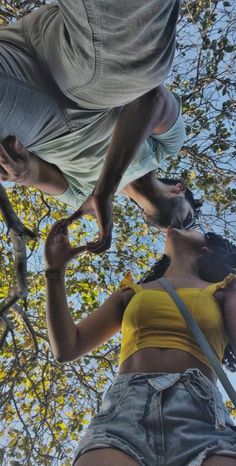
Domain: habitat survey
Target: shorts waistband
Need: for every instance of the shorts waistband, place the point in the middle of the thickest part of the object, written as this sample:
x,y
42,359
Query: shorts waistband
x,y
163,381
168,376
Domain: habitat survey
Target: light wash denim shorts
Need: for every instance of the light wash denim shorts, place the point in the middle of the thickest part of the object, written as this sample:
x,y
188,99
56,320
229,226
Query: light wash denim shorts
x,y
162,420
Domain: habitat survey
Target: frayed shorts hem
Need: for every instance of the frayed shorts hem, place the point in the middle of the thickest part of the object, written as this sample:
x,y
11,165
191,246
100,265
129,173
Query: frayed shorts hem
x,y
111,442
176,418
216,450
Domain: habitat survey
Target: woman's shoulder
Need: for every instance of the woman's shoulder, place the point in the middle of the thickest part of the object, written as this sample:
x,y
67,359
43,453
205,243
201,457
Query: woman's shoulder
x,y
228,282
127,282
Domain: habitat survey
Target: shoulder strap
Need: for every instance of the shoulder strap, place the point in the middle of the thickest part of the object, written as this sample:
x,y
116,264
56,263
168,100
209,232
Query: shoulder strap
x,y
202,341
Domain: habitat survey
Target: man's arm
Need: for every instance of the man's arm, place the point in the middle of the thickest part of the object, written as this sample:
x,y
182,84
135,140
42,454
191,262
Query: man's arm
x,y
154,112
19,165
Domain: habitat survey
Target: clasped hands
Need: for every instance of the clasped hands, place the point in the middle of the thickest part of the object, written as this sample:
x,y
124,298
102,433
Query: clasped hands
x,y
58,251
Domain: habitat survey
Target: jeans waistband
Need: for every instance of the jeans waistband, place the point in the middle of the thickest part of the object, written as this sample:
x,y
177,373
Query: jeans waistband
x,y
163,381
135,377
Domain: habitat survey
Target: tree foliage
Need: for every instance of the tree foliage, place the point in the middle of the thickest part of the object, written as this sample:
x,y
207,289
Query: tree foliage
x,y
44,405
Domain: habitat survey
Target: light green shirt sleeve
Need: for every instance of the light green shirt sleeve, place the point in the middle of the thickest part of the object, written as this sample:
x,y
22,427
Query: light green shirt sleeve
x,y
80,155
72,196
169,143
155,149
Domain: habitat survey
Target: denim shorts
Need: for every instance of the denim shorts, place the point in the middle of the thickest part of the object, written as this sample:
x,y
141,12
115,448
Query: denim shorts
x,y
162,420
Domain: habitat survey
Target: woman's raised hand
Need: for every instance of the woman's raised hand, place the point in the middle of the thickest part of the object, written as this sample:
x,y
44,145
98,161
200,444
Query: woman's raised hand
x,y
58,251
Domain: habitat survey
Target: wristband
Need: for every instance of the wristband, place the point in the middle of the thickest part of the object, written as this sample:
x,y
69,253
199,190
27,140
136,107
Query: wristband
x,y
54,275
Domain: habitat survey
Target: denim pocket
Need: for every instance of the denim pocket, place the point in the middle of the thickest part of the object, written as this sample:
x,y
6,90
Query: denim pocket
x,y
111,402
205,399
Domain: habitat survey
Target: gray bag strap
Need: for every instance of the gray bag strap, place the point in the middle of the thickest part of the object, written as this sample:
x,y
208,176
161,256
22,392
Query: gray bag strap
x,y
202,341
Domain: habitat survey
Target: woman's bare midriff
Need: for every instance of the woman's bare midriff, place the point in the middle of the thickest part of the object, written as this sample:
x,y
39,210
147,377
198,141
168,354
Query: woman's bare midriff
x,y
161,360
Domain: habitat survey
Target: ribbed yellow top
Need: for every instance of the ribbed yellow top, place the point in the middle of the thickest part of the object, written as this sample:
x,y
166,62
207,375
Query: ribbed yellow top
x,y
152,319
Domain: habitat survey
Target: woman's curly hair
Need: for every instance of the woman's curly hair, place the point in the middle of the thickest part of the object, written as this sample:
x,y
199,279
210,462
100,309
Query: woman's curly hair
x,y
214,266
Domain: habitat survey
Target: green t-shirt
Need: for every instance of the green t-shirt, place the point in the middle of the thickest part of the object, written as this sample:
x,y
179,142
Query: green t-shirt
x,y
80,155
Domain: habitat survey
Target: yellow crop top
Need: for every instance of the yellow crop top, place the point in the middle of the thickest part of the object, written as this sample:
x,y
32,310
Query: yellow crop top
x,y
151,319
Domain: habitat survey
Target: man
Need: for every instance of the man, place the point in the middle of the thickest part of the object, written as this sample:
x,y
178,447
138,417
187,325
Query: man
x,y
80,84
118,152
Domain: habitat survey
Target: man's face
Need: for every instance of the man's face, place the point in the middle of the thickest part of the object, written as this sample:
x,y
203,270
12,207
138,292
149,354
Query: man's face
x,y
173,210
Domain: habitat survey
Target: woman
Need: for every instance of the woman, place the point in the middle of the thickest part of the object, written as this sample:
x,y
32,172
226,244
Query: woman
x,y
163,408
79,79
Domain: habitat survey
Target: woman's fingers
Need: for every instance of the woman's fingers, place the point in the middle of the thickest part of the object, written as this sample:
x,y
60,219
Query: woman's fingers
x,y
63,228
85,208
101,245
77,214
76,251
57,225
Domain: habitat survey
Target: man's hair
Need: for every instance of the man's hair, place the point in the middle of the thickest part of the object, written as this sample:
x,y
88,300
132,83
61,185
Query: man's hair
x,y
169,210
167,213
213,266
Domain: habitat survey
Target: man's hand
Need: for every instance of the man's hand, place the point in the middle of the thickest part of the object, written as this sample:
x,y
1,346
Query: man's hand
x,y
156,110
58,251
99,206
14,161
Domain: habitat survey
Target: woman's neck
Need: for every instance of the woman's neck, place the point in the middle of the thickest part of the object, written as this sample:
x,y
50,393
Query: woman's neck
x,y
182,267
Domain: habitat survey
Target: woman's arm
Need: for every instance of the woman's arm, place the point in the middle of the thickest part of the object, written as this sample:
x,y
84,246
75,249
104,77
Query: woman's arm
x,y
229,308
20,166
70,341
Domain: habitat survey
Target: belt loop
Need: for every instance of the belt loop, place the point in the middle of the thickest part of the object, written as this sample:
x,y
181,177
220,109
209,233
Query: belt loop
x,y
218,405
164,381
219,411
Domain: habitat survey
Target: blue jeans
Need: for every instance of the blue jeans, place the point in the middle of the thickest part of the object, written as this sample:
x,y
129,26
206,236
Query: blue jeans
x,y
162,420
